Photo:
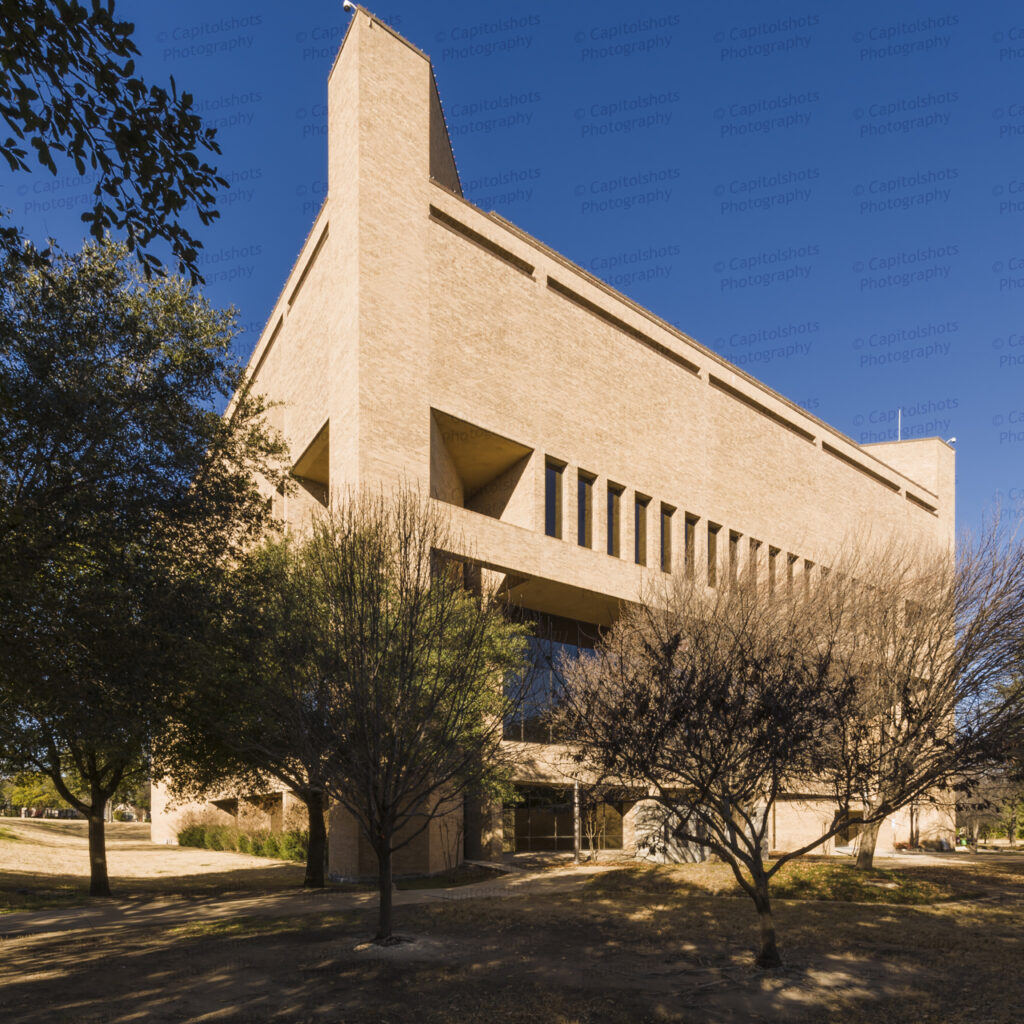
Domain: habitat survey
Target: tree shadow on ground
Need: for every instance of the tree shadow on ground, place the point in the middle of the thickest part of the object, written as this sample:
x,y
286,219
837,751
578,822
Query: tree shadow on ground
x,y
27,890
570,957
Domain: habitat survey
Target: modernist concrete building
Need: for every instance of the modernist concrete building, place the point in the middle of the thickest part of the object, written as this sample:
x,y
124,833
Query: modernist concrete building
x,y
580,442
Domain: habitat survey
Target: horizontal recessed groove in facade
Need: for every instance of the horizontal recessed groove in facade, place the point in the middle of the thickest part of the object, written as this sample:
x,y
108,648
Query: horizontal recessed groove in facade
x,y
717,382
609,318
268,347
843,457
309,264
921,503
482,240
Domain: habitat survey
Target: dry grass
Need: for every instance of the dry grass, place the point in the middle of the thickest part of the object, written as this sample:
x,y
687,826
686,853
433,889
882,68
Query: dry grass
x,y
567,959
45,863
826,878
643,944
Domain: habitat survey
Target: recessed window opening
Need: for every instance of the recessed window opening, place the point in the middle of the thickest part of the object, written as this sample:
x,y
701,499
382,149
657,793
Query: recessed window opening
x,y
640,503
808,569
791,561
584,509
690,544
553,498
773,568
753,557
666,538
614,519
734,556
613,522
713,554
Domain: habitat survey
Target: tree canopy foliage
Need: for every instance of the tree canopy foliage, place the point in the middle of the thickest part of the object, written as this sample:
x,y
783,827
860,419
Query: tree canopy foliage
x,y
123,493
69,93
364,670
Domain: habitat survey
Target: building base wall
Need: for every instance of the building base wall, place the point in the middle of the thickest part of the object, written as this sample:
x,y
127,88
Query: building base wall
x,y
438,847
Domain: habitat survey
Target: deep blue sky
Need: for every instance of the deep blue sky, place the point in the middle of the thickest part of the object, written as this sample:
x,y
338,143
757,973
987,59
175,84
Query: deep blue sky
x,y
833,198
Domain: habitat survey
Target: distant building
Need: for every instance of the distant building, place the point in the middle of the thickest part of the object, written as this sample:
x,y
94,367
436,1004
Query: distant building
x,y
580,442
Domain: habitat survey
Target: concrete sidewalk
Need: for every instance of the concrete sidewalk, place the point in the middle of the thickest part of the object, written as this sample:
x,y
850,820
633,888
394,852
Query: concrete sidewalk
x,y
144,912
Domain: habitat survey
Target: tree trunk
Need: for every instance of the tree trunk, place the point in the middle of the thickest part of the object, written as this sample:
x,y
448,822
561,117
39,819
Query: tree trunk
x,y
99,883
866,850
769,956
577,842
316,854
384,912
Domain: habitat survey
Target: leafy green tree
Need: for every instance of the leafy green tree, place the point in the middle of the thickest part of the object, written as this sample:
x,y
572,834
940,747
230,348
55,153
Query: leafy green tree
x,y
69,93
123,494
33,789
364,671
258,710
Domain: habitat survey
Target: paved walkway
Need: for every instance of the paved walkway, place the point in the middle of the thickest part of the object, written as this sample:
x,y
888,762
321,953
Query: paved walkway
x,y
147,912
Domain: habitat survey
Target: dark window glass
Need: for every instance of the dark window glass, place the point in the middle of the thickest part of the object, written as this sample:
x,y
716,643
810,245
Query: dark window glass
x,y
690,544
539,690
614,493
584,510
640,531
553,500
666,539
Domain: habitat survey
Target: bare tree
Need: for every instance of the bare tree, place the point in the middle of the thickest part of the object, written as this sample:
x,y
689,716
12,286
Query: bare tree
x,y
713,701
931,640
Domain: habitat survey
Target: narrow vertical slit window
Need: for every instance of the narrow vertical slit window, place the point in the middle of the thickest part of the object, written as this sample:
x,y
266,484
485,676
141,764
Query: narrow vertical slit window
x,y
614,519
713,529
734,556
773,568
584,509
666,538
808,569
791,561
690,544
640,529
553,498
753,557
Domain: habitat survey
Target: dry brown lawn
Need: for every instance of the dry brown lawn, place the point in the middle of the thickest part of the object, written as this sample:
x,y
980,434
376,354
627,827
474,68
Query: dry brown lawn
x,y
45,862
636,945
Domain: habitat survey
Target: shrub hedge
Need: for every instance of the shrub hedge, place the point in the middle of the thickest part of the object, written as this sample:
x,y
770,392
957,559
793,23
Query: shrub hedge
x,y
290,845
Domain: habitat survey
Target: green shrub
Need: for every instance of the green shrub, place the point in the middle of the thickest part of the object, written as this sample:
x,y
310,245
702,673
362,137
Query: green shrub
x,y
293,845
290,845
193,835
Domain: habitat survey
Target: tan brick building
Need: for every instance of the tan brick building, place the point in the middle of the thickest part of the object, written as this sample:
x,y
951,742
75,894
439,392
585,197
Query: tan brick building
x,y
579,442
